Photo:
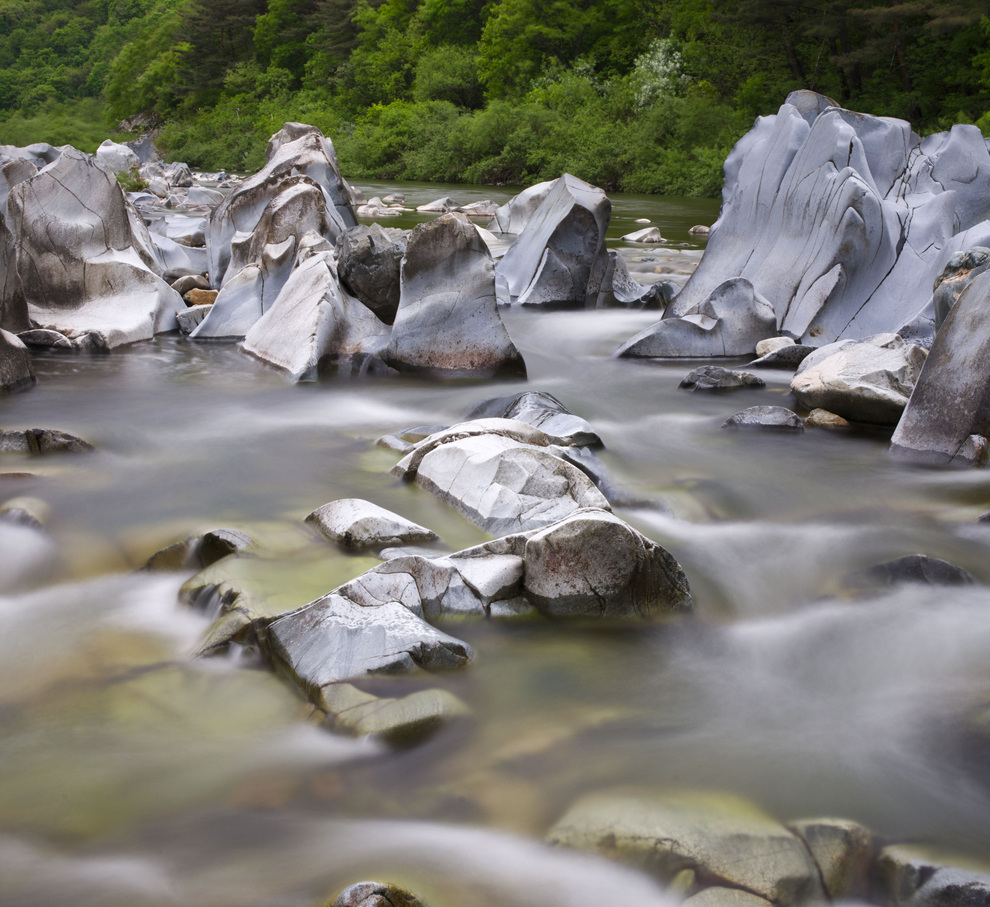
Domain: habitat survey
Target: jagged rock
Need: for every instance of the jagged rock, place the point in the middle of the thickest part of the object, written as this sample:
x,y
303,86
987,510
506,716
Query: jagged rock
x,y
368,260
297,154
727,841
729,322
542,411
169,176
440,206
838,217
560,257
399,722
514,216
913,568
822,418
620,288
790,357
501,474
957,274
189,318
199,551
844,853
448,320
39,441
715,378
361,524
15,363
950,403
334,639
313,326
774,418
646,235
144,147
118,158
376,894
865,381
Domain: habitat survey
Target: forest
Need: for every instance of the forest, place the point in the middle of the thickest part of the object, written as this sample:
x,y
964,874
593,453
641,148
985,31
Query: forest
x,y
632,95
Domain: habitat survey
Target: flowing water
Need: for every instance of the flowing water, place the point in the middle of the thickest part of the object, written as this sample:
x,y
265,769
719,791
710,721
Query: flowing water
x,y
131,773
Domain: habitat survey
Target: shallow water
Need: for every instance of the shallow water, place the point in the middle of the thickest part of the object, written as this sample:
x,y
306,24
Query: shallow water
x,y
130,773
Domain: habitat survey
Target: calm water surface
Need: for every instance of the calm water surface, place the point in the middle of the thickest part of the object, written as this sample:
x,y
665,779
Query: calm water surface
x,y
132,774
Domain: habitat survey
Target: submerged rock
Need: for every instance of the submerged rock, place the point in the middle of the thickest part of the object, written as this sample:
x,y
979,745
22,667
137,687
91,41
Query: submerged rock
x,y
773,418
865,381
560,257
361,524
448,320
542,411
715,378
912,568
376,894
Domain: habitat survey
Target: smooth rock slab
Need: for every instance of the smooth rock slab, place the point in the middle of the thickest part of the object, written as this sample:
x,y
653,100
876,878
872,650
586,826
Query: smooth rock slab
x,y
723,839
333,639
361,524
772,418
447,321
864,381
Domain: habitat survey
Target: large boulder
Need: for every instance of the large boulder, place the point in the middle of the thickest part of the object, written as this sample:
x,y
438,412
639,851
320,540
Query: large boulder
x,y
296,152
949,410
448,319
837,218
368,260
514,216
503,475
863,381
560,258
118,158
729,322
15,363
80,257
313,326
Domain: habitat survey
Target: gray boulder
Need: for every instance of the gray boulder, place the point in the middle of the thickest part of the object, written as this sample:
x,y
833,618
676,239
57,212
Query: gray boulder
x,y
957,274
725,841
836,217
501,474
774,418
514,216
190,318
789,356
296,153
728,322
38,339
864,381
448,320
118,158
908,877
542,411
360,524
81,258
368,260
619,288
844,853
560,258
181,229
15,363
950,403
312,327
715,378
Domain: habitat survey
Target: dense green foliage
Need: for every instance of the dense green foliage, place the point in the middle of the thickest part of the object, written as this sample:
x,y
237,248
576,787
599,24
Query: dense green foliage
x,y
643,95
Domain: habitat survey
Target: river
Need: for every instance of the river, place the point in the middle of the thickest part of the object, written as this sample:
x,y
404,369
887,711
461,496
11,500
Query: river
x,y
133,774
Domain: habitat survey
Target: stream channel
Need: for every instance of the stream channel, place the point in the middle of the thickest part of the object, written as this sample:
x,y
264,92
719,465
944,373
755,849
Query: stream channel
x,y
131,773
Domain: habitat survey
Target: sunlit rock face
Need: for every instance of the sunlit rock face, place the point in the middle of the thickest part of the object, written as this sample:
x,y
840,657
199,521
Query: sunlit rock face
x,y
79,258
842,221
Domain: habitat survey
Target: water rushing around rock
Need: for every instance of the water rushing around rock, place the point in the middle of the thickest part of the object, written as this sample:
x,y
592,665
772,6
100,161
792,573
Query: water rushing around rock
x,y
130,773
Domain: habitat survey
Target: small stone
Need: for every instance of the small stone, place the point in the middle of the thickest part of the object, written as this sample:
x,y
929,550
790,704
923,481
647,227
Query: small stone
x,y
822,418
914,568
360,524
190,282
699,230
376,894
196,297
642,220
773,343
773,418
39,339
715,378
646,235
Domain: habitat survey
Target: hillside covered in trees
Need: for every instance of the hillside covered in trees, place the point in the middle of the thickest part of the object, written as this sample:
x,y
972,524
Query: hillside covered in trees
x,y
637,95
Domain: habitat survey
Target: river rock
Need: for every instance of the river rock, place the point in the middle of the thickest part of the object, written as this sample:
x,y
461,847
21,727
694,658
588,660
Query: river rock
x,y
726,841
191,317
620,288
909,877
333,639
865,381
912,568
774,418
646,235
356,523
296,155
950,403
543,411
771,344
514,216
729,322
957,274
186,231
376,894
12,172
15,363
844,853
700,230
716,378
313,327
560,257
118,158
789,357
501,474
81,258
837,217
822,418
485,208
447,321
38,339
368,260
40,441
439,206
201,550
198,297
25,511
